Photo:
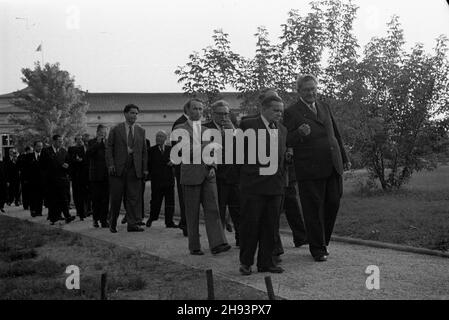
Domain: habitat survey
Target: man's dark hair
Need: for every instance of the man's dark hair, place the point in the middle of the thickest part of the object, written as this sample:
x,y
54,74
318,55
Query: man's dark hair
x,y
270,98
128,108
188,104
36,142
100,126
27,148
56,137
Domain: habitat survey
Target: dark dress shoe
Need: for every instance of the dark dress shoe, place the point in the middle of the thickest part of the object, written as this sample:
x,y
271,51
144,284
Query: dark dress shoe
x,y
320,258
197,253
245,270
221,248
270,269
171,225
299,244
277,259
149,222
135,229
141,223
105,225
96,225
113,229
69,219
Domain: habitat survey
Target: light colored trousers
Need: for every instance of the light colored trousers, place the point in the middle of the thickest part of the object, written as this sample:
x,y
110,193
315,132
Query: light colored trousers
x,y
206,195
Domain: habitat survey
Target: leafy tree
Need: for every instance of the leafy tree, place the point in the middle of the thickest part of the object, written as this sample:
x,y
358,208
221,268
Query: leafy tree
x,y
53,103
211,71
401,92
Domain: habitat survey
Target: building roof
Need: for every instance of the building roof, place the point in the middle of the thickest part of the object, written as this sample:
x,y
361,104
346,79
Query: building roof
x,y
115,102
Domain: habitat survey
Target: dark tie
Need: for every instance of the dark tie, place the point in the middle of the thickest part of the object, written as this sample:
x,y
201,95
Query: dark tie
x,y
130,137
272,125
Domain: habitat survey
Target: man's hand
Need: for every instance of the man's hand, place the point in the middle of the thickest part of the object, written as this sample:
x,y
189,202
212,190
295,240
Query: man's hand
x,y
211,173
347,166
65,165
112,171
227,124
304,130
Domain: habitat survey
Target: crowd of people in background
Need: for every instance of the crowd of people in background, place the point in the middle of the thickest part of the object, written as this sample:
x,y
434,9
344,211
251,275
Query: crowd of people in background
x,y
103,174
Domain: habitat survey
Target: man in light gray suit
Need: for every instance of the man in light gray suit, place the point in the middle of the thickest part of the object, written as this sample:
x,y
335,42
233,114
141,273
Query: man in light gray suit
x,y
199,187
126,158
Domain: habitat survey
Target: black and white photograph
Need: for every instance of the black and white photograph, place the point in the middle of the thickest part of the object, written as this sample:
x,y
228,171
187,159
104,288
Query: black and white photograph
x,y
251,152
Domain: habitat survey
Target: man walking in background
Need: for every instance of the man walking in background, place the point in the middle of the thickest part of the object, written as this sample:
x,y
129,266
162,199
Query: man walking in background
x,y
177,168
162,181
319,159
126,158
55,162
98,177
36,179
79,169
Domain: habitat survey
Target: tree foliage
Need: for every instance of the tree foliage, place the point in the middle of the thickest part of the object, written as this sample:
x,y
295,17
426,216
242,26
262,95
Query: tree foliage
x,y
392,103
53,103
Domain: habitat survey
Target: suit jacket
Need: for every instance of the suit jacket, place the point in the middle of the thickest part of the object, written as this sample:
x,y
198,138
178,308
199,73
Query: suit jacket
x,y
251,181
193,174
226,173
117,149
79,170
96,156
12,171
160,173
316,155
52,165
33,170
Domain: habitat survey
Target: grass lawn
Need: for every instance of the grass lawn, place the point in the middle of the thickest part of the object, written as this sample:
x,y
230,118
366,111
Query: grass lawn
x,y
417,215
33,260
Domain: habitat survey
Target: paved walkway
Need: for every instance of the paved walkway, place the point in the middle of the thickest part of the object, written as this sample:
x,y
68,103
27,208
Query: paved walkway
x,y
403,275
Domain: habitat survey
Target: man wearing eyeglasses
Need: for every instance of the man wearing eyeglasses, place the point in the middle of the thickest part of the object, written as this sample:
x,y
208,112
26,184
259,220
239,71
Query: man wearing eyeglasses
x,y
227,174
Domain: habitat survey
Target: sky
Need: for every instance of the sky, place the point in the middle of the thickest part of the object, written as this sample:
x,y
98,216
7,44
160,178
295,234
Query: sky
x,y
135,46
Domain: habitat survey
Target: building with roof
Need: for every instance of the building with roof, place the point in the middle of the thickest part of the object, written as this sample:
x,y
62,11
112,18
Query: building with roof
x,y
158,111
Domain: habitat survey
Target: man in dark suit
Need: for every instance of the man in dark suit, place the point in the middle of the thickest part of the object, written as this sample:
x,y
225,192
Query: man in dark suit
x,y
261,194
55,162
127,161
199,185
98,177
227,174
79,169
182,222
162,181
24,177
319,158
13,177
33,163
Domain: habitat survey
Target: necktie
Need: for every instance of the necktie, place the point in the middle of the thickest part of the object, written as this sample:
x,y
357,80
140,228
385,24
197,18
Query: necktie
x,y
130,137
313,108
272,125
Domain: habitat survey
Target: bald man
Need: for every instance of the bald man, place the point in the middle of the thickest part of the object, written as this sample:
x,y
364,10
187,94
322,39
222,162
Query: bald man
x,y
162,179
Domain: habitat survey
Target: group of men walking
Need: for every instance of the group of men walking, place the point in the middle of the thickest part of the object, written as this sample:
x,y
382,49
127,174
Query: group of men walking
x,y
107,173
